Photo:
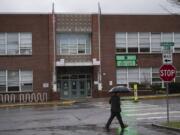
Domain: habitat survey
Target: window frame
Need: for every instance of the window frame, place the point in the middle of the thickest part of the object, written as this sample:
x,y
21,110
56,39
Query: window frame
x,y
16,47
73,46
19,82
153,42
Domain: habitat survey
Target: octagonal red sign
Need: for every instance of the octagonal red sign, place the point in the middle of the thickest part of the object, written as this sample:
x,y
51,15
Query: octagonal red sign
x,y
167,72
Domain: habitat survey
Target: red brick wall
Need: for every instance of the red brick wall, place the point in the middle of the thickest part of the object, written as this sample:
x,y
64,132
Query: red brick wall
x,y
110,24
39,61
95,53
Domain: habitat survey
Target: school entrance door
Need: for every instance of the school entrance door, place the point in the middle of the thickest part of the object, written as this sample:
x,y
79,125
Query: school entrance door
x,y
74,86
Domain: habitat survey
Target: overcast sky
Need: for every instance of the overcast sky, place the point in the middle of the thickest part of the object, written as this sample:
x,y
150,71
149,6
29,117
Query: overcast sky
x,y
90,6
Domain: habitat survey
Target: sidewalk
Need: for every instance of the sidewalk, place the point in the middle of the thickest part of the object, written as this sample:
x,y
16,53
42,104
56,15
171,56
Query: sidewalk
x,y
71,102
59,103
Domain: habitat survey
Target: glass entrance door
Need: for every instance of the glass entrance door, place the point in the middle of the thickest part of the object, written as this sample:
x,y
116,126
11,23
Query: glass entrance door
x,y
82,88
65,89
74,86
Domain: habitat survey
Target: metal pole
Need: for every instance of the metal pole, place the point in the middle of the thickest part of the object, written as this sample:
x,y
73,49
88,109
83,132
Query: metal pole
x,y
167,101
99,43
54,50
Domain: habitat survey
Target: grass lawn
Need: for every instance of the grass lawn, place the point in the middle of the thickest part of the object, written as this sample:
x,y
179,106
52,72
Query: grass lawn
x,y
173,124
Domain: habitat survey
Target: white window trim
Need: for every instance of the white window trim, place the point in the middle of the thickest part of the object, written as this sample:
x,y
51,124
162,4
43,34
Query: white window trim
x,y
6,44
150,49
6,81
19,42
138,43
19,80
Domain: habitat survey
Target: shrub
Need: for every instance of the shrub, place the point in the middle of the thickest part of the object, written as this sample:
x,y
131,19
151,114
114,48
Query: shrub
x,y
157,89
174,87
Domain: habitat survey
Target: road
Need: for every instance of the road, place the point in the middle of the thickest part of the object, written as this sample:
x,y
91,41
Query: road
x,y
88,118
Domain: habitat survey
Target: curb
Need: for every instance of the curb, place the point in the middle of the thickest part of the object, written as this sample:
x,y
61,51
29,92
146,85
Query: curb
x,y
165,127
58,103
151,97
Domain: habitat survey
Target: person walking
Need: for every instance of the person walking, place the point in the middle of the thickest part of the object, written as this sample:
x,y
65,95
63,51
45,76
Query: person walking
x,y
115,111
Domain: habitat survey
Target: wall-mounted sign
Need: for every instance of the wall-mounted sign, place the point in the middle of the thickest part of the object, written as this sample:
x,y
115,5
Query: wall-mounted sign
x,y
128,63
125,57
125,60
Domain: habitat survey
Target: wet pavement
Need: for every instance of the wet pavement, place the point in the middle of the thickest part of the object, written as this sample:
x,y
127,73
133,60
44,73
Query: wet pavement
x,y
88,118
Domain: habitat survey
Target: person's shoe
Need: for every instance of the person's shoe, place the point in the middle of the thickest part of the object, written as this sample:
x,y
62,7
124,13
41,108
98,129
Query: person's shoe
x,y
125,126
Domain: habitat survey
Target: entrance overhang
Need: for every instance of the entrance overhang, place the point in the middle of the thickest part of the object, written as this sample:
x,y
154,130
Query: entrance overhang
x,y
74,64
62,63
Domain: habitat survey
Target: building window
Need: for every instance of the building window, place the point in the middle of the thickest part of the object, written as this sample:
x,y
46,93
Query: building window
x,y
177,42
121,75
167,37
2,80
25,43
16,43
144,42
26,80
13,80
120,39
2,43
126,76
155,77
132,40
12,44
177,76
133,75
73,44
16,80
145,76
156,42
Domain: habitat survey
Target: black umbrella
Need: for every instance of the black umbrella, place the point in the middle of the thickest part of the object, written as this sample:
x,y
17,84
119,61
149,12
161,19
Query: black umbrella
x,y
119,89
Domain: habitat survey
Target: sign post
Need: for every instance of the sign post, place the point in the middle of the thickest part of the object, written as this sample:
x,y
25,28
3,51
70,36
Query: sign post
x,y
167,73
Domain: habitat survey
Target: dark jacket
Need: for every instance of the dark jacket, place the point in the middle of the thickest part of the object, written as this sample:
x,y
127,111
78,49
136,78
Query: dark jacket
x,y
115,103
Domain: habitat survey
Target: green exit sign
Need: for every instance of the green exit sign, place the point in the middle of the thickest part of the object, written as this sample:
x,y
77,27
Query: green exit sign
x,y
125,57
124,63
125,60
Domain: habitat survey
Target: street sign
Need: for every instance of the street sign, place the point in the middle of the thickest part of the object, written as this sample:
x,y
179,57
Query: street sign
x,y
167,51
167,72
167,58
167,44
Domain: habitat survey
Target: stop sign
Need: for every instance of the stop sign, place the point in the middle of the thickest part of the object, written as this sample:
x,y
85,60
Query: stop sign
x,y
167,72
